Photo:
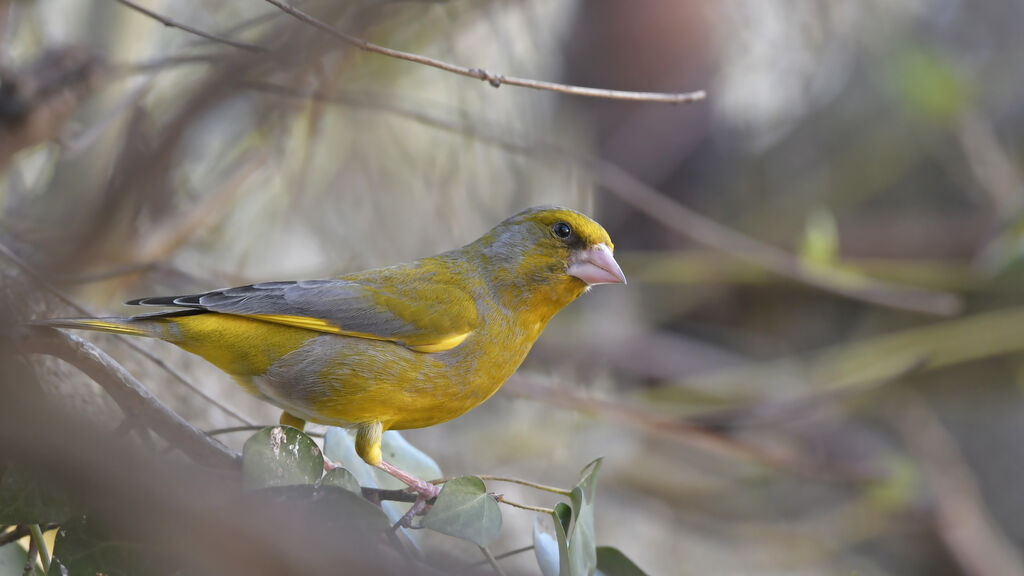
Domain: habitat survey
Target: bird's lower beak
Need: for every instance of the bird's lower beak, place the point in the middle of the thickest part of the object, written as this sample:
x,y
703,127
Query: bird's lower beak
x,y
595,265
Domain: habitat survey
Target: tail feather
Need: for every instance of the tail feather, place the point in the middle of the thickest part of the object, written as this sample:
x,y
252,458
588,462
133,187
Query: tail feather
x,y
126,326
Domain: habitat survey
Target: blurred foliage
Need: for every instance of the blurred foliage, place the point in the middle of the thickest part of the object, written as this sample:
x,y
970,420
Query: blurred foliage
x,y
751,421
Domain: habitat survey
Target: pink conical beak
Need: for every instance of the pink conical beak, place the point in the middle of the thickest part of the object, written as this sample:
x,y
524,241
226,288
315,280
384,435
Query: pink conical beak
x,y
595,265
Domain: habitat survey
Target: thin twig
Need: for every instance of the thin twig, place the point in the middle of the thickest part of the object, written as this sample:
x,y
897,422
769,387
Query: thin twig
x,y
185,27
17,533
30,558
251,428
493,79
536,485
503,555
963,523
501,499
40,543
20,532
133,398
492,561
129,68
246,25
232,429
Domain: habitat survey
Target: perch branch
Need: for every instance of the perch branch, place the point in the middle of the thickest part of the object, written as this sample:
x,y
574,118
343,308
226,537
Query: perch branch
x,y
10,255
133,398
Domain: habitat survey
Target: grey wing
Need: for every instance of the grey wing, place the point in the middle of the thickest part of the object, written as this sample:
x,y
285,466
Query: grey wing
x,y
347,305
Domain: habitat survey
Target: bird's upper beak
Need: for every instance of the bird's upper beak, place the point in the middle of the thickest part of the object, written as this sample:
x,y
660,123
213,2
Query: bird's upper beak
x,y
595,265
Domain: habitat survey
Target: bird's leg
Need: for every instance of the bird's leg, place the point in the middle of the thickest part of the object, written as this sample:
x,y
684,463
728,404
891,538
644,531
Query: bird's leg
x,y
368,437
288,419
425,490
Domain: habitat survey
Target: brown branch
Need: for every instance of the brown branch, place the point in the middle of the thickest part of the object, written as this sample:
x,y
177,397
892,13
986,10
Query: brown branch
x,y
10,255
496,80
30,558
654,424
20,532
170,23
961,519
133,398
657,206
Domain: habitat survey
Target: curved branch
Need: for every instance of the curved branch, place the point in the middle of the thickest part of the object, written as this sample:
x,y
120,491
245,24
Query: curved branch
x,y
185,27
491,78
133,398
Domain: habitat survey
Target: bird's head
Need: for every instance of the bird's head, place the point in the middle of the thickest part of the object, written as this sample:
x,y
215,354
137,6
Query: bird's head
x,y
548,256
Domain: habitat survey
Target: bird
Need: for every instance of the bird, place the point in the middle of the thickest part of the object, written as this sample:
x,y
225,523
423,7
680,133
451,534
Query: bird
x,y
404,346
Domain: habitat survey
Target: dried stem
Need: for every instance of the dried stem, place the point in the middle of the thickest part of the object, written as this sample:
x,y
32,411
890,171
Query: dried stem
x,y
492,561
543,487
185,27
961,519
491,78
501,499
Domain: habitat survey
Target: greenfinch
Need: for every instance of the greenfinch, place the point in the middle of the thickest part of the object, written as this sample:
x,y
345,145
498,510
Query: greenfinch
x,y
399,347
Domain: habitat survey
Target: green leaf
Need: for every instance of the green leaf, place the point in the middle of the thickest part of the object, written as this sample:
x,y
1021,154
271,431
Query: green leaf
x,y
26,498
465,510
612,562
84,547
343,479
582,544
280,456
561,516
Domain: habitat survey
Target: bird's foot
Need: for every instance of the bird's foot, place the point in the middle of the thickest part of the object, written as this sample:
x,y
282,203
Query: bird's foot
x,y
424,490
420,506
425,494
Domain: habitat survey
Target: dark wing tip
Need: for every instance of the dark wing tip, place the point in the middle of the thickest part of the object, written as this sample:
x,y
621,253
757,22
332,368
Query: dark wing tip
x,y
188,301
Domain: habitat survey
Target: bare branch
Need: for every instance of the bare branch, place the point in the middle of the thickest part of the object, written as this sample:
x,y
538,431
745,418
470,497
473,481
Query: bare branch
x,y
10,255
175,24
961,519
493,79
133,398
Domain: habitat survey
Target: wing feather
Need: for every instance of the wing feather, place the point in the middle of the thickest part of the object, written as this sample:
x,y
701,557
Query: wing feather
x,y
420,315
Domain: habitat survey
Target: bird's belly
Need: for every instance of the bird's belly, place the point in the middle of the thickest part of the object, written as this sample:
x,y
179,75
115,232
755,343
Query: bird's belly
x,y
345,381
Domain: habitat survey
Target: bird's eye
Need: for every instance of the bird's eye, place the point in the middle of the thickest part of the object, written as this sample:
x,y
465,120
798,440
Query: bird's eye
x,y
562,230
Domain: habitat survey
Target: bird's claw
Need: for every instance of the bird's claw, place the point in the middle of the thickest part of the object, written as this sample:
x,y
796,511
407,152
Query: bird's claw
x,y
419,507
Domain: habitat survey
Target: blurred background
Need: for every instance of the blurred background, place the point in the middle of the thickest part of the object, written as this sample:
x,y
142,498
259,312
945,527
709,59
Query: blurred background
x,y
816,366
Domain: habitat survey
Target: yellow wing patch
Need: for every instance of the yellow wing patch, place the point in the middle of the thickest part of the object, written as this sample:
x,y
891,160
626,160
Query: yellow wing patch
x,y
306,322
443,344
320,325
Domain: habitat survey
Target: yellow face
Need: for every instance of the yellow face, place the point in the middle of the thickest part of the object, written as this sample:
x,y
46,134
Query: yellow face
x,y
548,256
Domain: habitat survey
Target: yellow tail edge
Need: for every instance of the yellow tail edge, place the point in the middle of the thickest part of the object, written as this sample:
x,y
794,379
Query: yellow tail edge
x,y
111,325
